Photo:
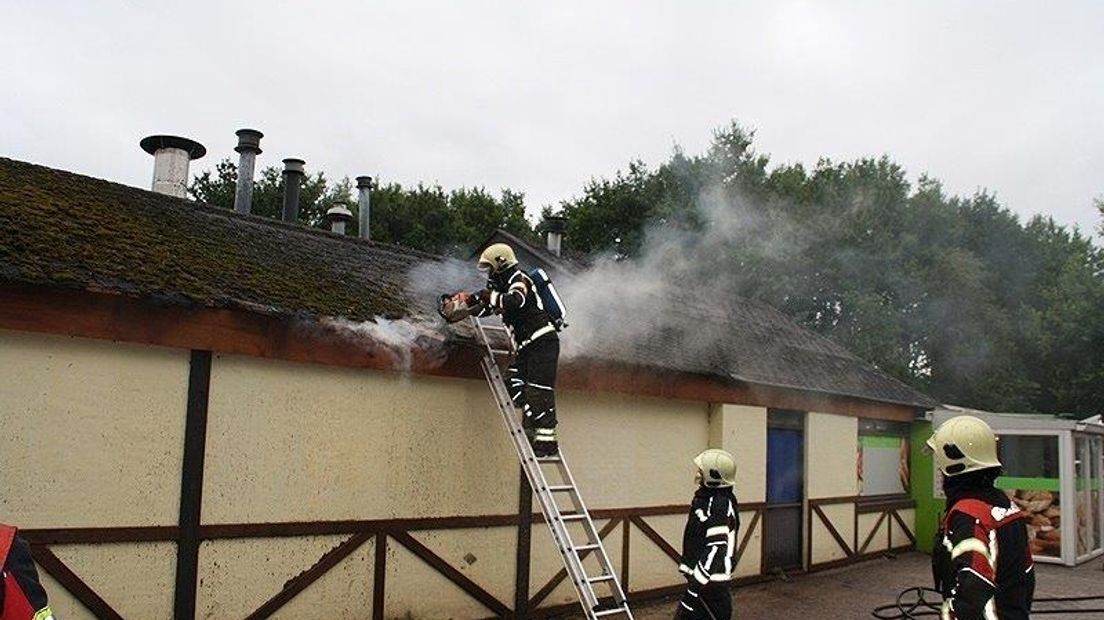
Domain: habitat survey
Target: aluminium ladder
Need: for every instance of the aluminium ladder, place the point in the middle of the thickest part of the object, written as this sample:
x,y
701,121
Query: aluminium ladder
x,y
546,488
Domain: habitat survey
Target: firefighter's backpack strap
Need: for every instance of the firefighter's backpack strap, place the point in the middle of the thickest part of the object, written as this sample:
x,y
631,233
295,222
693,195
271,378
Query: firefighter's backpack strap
x,y
7,536
991,517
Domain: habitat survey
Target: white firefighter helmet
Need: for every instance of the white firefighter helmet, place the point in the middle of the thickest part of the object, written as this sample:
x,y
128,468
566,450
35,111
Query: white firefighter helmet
x,y
497,257
716,468
963,444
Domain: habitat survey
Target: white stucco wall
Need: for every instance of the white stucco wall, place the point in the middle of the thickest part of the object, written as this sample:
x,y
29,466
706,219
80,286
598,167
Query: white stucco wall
x,y
93,431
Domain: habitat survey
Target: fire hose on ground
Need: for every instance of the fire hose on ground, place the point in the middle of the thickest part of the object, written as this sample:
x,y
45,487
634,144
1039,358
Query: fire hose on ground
x,y
908,607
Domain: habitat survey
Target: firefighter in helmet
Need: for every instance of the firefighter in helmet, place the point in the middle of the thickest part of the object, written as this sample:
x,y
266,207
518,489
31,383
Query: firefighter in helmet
x,y
709,540
981,562
531,377
21,594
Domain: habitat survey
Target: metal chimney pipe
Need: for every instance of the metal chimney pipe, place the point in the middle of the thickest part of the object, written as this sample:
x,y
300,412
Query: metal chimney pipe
x,y
293,178
364,199
171,156
338,215
249,146
555,225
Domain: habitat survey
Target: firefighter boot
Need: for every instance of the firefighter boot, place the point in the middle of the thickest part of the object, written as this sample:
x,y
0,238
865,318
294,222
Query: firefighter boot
x,y
544,442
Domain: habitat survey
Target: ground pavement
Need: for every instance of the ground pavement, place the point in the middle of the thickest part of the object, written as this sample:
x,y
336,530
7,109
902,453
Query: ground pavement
x,y
852,591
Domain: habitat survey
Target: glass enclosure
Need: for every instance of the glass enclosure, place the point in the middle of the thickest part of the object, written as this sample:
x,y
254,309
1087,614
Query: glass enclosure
x,y
1087,479
1032,480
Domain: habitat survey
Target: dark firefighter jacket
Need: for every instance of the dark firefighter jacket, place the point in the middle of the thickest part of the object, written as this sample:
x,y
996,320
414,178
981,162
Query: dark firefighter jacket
x,y
709,540
982,562
21,595
512,294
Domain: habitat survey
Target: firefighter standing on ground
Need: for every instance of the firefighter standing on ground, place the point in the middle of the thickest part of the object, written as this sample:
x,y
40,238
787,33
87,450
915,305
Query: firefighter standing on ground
x,y
709,541
531,377
21,594
981,562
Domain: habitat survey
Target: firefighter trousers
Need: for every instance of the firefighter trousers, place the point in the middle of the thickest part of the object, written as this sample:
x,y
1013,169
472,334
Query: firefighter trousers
x,y
532,381
717,597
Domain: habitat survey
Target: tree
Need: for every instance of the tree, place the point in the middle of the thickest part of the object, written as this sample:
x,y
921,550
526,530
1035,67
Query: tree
x,y
953,295
426,218
316,194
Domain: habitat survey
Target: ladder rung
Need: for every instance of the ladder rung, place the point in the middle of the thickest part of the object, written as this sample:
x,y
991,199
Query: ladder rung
x,y
600,579
560,488
609,612
579,516
587,548
548,459
501,352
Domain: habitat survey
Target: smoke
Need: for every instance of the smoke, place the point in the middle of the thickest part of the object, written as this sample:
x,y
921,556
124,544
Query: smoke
x,y
421,338
673,299
427,281
404,341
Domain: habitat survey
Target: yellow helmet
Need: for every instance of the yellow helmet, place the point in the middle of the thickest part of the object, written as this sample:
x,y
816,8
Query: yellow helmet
x,y
497,257
963,444
716,467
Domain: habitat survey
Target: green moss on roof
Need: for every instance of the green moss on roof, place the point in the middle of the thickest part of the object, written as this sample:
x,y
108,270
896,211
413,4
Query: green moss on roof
x,y
64,229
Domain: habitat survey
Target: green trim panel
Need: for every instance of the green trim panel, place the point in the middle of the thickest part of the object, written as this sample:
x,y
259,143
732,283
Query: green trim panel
x,y
880,441
1029,484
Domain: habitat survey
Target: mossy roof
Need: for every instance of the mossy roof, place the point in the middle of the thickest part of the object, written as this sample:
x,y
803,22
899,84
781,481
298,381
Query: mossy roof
x,y
62,229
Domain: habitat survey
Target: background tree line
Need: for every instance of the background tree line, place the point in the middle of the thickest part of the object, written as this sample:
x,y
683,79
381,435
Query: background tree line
x,y
426,218
953,295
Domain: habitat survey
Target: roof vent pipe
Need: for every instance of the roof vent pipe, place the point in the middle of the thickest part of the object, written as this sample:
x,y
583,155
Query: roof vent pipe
x,y
249,146
364,186
171,156
555,226
338,215
293,178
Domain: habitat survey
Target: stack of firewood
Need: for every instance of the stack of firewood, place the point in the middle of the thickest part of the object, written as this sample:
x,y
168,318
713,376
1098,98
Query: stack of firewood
x,y
1044,525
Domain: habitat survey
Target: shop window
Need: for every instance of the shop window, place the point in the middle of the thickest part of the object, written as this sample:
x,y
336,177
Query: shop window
x,y
1031,480
883,458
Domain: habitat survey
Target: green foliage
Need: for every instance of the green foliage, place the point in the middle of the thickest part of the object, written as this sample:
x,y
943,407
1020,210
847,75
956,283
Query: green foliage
x,y
954,296
423,217
316,194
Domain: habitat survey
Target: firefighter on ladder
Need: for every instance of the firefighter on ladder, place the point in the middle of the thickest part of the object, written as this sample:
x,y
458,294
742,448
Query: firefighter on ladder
x,y
21,594
531,377
709,540
981,562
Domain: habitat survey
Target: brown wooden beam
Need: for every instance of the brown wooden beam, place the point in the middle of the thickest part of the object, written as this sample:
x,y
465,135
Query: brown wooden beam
x,y
191,486
831,530
904,528
747,537
873,531
467,585
304,579
379,576
73,584
626,530
524,546
100,535
655,537
241,332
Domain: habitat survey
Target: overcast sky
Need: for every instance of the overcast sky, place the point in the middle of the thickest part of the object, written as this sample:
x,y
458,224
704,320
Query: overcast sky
x,y
540,97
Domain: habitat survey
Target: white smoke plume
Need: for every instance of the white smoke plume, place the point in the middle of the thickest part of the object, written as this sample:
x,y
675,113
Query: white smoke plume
x,y
404,340
616,303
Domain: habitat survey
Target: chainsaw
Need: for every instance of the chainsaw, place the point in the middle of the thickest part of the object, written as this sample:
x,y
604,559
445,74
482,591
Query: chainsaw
x,y
458,306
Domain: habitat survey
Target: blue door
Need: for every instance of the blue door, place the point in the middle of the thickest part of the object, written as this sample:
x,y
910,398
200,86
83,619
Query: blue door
x,y
782,525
